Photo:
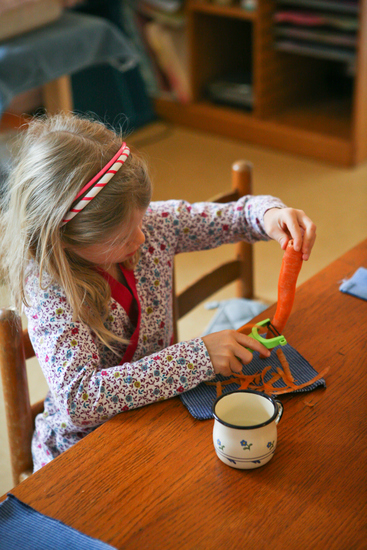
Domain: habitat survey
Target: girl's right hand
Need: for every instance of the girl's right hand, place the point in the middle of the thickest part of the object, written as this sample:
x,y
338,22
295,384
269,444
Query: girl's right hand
x,y
227,350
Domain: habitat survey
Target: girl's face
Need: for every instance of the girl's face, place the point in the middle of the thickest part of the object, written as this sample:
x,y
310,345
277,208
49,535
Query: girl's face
x,y
121,244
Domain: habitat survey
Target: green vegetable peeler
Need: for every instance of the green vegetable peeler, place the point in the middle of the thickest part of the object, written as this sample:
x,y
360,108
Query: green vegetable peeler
x,y
269,343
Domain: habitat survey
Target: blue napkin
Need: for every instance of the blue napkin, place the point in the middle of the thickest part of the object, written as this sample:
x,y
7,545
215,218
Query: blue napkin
x,y
23,528
356,285
199,401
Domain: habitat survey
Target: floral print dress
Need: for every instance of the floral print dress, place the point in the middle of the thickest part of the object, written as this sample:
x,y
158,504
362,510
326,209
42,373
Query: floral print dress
x,y
88,383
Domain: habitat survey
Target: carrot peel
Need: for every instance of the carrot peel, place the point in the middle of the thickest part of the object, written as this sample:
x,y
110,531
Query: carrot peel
x,y
257,381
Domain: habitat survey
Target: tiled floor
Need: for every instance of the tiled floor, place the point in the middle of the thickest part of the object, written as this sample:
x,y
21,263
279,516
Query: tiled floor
x,y
195,166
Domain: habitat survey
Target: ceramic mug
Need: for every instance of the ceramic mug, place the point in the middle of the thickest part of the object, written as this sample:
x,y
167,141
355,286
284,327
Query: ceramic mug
x,y
245,428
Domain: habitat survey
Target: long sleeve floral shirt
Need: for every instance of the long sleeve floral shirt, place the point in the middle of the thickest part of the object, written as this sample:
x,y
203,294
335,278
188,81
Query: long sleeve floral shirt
x,y
88,383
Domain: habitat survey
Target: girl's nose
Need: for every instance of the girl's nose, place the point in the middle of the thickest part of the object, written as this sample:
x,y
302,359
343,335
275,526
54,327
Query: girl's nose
x,y
140,237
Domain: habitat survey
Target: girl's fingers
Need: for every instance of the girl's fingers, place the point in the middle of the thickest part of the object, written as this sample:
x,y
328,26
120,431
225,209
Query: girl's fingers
x,y
309,237
244,342
294,224
228,350
293,228
235,365
225,371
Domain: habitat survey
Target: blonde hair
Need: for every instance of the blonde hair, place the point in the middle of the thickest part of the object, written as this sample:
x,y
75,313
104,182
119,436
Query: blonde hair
x,y
58,156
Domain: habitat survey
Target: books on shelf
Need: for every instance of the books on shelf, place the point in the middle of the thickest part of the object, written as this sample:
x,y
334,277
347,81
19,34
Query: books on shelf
x,y
146,67
157,29
169,47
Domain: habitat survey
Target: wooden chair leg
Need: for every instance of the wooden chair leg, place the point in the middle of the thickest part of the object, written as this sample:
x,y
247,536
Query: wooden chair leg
x,y
242,180
16,396
57,95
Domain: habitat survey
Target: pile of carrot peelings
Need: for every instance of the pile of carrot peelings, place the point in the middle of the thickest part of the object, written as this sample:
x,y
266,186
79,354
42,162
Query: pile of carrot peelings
x,y
257,381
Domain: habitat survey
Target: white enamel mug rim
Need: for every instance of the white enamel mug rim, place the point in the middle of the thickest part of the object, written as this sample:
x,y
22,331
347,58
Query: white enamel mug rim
x,y
278,410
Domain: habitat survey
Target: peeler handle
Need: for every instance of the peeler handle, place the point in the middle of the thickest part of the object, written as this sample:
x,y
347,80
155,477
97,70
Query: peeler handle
x,y
269,343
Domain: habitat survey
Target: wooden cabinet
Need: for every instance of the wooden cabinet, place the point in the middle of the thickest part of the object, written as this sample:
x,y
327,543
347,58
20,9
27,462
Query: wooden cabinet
x,y
300,106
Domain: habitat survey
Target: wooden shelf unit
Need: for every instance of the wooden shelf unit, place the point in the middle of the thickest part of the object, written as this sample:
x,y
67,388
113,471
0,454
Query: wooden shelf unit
x,y
295,107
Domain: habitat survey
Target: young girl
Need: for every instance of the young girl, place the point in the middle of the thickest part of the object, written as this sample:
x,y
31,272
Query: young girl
x,y
89,258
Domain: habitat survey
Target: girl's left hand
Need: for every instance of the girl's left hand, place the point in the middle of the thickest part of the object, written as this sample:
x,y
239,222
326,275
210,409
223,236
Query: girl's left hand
x,y
283,224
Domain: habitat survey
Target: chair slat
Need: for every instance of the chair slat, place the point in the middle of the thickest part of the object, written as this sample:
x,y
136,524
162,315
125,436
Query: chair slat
x,y
207,285
228,197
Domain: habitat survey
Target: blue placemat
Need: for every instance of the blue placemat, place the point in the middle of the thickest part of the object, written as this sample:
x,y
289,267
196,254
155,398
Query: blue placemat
x,y
199,401
356,285
23,528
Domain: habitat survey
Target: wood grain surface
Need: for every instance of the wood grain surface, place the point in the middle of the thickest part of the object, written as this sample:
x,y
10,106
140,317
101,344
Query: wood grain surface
x,y
150,479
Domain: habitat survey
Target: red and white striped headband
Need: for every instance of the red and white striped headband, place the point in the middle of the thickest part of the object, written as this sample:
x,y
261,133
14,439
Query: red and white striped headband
x,y
98,182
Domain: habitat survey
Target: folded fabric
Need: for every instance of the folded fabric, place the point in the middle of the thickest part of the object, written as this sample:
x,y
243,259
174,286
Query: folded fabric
x,y
356,285
72,43
199,401
233,313
23,528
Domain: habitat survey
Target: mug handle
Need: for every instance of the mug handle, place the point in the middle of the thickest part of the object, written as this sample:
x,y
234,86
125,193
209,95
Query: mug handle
x,y
280,411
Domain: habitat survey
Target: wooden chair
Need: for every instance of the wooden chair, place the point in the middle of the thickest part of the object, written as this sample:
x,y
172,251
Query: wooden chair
x,y
16,348
240,269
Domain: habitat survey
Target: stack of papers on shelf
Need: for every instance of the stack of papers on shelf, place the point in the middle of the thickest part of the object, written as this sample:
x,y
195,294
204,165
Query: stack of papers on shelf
x,y
316,50
313,19
168,6
338,6
321,36
233,89
318,28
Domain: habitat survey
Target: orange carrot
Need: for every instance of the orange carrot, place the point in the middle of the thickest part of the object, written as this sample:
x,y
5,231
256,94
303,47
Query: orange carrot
x,y
219,389
290,268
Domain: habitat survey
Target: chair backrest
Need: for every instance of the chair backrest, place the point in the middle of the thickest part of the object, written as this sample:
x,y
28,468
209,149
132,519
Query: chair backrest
x,y
240,268
15,349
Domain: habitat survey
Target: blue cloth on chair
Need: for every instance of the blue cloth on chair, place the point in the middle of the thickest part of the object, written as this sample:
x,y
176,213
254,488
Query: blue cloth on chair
x,y
233,313
356,285
73,42
23,528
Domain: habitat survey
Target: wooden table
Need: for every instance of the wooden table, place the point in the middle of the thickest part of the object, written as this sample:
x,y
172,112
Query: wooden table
x,y
150,479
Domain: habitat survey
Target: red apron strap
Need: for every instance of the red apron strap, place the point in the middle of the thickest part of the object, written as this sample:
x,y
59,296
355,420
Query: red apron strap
x,y
119,292
130,278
